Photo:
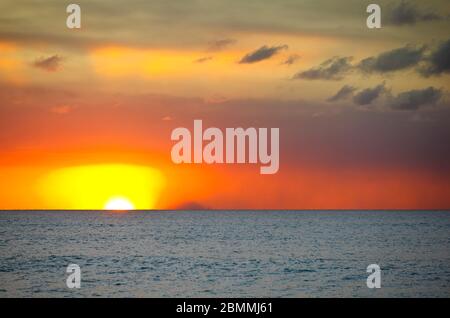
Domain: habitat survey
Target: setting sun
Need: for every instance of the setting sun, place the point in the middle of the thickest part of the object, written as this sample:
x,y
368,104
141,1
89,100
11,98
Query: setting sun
x,y
106,186
119,204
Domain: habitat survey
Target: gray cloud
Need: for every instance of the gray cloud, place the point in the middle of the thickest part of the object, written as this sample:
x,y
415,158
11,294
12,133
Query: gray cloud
x,y
219,45
291,59
415,99
261,54
343,93
406,14
203,59
368,95
332,69
438,62
394,60
49,64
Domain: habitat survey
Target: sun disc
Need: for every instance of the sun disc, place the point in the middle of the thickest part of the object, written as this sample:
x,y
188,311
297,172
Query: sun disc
x,y
119,204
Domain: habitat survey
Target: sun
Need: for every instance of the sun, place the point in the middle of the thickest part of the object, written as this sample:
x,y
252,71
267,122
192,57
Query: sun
x,y
119,204
102,186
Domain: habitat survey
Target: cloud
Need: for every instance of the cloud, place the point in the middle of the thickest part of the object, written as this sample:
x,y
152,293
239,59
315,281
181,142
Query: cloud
x,y
398,59
49,64
261,54
415,99
430,63
291,59
343,93
407,14
204,59
219,45
438,62
332,69
368,95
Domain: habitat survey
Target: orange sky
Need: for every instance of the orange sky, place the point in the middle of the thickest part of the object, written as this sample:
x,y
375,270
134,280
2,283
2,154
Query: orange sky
x,y
86,115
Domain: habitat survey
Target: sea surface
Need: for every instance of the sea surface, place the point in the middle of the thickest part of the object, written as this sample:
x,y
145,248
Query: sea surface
x,y
225,253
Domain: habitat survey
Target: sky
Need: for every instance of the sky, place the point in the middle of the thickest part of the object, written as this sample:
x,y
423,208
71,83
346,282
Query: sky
x,y
86,114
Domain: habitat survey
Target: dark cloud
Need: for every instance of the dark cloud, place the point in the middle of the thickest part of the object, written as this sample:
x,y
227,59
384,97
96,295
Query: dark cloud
x,y
261,54
368,95
394,60
203,59
219,45
438,62
332,69
415,99
291,59
406,14
343,93
49,64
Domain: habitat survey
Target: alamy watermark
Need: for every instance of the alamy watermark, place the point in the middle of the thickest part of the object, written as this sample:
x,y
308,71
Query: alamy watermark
x,y
374,279
235,145
74,279
73,20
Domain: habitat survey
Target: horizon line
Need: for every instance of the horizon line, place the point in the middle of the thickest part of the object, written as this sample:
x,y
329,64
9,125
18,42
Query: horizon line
x,y
230,210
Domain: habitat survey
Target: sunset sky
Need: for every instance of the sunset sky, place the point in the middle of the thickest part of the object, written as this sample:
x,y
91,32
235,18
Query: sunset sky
x,y
86,114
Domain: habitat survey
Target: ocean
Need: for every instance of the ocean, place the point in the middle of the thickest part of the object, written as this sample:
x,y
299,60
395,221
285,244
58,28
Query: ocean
x,y
225,253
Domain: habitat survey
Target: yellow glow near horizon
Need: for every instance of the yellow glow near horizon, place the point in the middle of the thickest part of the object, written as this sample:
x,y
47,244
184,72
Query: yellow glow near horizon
x,y
119,204
107,186
124,61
